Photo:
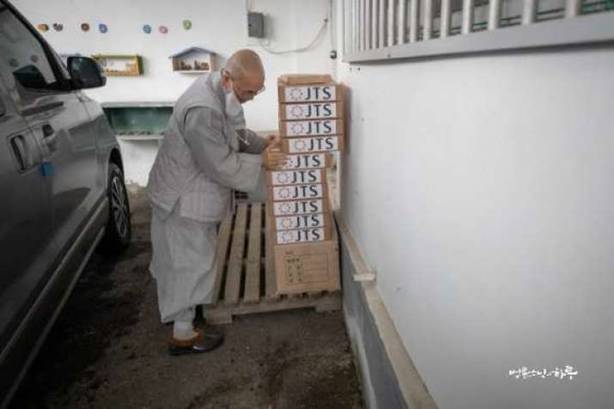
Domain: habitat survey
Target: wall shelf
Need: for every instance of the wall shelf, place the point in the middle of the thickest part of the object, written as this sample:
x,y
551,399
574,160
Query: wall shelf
x,y
137,104
116,65
140,137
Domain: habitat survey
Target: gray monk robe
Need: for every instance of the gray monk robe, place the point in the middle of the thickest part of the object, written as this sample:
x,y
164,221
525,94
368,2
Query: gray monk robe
x,y
201,160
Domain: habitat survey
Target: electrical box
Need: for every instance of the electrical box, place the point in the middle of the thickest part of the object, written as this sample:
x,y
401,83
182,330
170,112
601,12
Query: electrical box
x,y
255,25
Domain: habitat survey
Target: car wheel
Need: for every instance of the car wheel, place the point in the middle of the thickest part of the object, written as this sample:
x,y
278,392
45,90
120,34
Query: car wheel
x,y
118,231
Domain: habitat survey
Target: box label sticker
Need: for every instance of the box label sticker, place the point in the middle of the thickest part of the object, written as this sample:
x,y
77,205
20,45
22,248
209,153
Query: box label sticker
x,y
310,128
307,269
309,161
310,93
293,177
307,111
297,192
298,207
314,144
300,236
307,221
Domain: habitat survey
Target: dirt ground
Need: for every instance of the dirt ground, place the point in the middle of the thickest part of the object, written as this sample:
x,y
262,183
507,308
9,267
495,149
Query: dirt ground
x,y
108,350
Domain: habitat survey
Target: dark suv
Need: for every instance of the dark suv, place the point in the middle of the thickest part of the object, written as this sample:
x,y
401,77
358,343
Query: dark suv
x,y
61,184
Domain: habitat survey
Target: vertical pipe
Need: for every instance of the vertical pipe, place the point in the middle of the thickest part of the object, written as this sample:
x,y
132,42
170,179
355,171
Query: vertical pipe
x,y
444,30
368,24
374,21
402,21
391,22
427,24
413,21
344,27
365,26
467,16
360,26
350,25
494,12
528,12
355,37
572,8
382,23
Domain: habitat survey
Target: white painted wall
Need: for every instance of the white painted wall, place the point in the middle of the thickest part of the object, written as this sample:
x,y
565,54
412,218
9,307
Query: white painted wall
x,y
219,25
480,190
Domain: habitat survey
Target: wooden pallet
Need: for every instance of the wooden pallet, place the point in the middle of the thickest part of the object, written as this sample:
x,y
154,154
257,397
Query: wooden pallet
x,y
245,275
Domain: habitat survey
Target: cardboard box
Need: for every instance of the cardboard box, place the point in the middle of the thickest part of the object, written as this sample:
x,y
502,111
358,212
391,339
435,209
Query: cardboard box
x,y
301,221
309,93
296,207
294,177
309,161
313,110
303,235
312,144
298,192
304,79
305,267
306,228
320,127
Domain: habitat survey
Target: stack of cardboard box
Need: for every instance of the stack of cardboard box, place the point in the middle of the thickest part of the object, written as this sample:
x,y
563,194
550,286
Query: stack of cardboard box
x,y
304,242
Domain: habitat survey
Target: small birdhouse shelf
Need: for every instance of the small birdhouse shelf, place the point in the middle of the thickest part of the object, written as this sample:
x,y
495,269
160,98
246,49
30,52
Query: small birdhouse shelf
x,y
193,60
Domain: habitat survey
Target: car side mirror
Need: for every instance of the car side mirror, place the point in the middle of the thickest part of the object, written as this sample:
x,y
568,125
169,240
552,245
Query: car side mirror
x,y
85,73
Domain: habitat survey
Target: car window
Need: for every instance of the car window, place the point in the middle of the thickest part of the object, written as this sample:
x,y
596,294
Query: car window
x,y
22,55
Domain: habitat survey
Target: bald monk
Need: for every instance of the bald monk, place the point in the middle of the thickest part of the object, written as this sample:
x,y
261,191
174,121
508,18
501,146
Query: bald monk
x,y
207,151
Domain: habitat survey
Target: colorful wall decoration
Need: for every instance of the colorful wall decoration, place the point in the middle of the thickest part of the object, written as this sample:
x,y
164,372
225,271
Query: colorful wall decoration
x,y
103,28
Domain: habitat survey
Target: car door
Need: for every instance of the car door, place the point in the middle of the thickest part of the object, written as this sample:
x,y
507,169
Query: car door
x,y
59,120
26,245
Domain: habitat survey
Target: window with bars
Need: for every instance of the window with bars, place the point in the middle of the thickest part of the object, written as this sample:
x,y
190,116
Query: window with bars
x,y
390,29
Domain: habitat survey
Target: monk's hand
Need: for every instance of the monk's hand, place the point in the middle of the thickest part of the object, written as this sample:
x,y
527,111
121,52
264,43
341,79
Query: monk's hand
x,y
273,140
272,156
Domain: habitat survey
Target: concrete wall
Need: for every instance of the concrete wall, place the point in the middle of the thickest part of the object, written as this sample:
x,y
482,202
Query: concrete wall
x,y
480,190
218,25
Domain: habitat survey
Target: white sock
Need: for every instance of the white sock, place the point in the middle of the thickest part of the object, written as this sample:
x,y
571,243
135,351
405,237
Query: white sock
x,y
183,330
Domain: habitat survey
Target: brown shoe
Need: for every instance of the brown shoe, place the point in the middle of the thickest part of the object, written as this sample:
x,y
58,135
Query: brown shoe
x,y
201,342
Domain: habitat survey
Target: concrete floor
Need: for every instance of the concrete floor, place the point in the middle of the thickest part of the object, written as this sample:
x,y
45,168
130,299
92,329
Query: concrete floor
x,y
108,350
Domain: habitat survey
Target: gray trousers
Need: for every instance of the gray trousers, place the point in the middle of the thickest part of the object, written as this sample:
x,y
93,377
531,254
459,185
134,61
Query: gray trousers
x,y
183,263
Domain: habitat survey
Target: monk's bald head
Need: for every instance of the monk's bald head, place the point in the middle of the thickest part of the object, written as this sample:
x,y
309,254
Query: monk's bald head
x,y
245,63
244,68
